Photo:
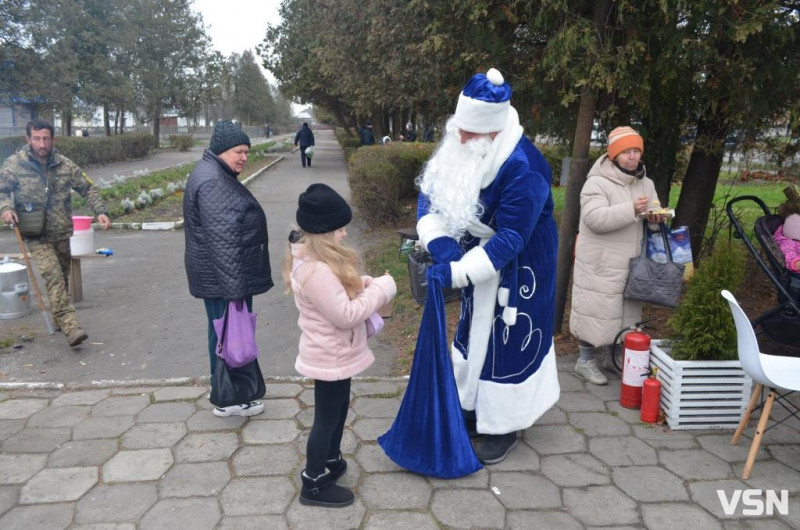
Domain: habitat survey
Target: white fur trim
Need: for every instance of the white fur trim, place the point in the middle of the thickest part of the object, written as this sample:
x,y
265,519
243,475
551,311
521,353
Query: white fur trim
x,y
502,296
482,117
480,230
429,227
503,145
503,408
458,275
474,265
510,316
468,371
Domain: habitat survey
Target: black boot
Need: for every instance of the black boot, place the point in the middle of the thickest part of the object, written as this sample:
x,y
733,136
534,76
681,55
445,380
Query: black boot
x,y
337,467
323,491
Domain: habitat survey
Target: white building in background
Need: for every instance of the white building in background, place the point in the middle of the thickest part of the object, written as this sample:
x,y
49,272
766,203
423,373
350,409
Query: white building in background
x,y
304,115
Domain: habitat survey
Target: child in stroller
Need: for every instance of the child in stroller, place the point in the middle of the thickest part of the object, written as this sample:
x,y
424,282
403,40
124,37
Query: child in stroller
x,y
778,328
787,236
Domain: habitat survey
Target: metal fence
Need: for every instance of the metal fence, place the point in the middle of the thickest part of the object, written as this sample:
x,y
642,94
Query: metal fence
x,y
197,132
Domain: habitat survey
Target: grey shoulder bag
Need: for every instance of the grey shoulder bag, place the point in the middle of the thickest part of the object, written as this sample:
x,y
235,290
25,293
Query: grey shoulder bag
x,y
653,282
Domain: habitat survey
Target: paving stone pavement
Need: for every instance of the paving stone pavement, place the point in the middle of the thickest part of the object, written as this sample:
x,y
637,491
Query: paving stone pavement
x,y
155,457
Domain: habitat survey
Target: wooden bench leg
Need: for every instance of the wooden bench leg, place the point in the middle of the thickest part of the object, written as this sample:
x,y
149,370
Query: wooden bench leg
x,y
75,283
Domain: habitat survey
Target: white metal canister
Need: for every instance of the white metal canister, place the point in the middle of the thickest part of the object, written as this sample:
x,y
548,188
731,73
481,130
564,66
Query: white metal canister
x,y
15,300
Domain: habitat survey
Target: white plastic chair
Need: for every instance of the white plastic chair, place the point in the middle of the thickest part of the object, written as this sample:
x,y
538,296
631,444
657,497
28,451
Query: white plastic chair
x,y
770,371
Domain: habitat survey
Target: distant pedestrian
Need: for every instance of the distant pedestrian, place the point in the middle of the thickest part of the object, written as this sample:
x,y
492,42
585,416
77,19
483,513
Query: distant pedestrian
x,y
334,302
304,138
409,134
366,134
225,228
427,134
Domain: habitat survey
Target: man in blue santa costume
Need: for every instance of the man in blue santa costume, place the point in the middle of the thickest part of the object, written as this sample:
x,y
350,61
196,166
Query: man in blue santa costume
x,y
486,216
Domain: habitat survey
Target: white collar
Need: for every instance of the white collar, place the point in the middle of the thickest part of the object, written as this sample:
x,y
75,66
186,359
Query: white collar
x,y
502,147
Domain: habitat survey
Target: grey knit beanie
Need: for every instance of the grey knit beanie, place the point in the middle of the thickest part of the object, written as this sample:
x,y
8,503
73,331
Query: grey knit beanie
x,y
226,135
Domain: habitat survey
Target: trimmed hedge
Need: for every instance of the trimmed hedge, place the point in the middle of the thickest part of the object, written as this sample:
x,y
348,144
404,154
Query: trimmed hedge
x,y
349,143
381,176
181,142
9,144
91,151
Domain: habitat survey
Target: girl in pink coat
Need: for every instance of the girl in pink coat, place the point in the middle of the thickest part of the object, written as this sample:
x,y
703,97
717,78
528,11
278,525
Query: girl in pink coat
x,y
334,302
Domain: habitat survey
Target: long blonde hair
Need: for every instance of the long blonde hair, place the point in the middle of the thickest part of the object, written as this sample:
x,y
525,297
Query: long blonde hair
x,y
343,261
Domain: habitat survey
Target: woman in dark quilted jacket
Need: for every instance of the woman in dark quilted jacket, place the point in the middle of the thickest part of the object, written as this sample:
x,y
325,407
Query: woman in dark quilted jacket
x,y
226,237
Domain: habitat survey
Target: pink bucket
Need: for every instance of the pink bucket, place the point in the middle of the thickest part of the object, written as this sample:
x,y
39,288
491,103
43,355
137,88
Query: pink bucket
x,y
82,222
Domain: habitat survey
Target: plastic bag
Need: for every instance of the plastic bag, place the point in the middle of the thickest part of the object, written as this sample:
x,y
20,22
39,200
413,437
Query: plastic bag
x,y
236,334
419,260
374,324
679,244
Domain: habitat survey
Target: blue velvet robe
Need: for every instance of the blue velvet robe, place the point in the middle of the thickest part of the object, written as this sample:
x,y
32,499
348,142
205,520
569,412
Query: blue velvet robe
x,y
517,381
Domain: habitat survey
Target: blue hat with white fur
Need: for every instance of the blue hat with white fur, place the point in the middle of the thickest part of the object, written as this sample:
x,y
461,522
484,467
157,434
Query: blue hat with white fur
x,y
483,103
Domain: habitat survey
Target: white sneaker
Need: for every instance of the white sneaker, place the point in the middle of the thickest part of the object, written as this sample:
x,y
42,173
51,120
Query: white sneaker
x,y
245,409
589,371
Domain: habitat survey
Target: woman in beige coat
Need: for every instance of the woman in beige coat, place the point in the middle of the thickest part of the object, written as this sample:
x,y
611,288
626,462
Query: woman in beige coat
x,y
617,191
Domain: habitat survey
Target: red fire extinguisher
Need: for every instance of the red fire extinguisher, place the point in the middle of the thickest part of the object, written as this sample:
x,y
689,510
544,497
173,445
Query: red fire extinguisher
x,y
651,397
635,365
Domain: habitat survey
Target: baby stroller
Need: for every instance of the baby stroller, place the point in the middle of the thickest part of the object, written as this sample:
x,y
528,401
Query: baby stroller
x,y
778,328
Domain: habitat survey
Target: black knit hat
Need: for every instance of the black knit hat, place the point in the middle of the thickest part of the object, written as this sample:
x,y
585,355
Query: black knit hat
x,y
226,135
320,210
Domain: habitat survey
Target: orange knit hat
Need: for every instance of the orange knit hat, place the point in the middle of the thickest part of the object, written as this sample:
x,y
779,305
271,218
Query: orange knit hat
x,y
623,138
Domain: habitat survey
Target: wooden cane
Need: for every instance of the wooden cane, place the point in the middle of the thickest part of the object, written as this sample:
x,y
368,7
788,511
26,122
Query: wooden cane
x,y
22,249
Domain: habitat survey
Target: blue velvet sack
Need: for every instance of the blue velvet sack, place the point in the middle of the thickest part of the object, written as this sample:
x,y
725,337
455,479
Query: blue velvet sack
x,y
428,435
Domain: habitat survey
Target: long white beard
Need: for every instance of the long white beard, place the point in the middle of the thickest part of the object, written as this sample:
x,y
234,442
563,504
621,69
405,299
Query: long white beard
x,y
452,180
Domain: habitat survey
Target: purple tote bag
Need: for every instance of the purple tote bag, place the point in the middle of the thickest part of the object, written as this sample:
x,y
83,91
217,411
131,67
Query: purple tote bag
x,y
236,335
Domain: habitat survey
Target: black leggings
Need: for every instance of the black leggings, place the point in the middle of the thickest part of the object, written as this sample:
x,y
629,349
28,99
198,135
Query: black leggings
x,y
331,403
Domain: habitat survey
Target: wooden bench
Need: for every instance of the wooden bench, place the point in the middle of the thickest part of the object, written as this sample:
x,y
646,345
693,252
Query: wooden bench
x,y
75,276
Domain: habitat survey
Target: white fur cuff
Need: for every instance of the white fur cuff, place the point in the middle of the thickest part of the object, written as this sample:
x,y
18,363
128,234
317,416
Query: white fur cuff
x,y
429,227
458,275
502,296
475,265
510,316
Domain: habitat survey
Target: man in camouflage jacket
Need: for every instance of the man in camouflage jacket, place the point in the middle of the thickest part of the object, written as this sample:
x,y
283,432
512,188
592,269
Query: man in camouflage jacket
x,y
36,184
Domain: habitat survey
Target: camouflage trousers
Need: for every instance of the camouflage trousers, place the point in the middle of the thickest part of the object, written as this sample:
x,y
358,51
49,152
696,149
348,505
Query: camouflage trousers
x,y
52,258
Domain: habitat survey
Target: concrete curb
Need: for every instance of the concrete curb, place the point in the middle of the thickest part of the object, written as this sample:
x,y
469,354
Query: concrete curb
x,y
172,381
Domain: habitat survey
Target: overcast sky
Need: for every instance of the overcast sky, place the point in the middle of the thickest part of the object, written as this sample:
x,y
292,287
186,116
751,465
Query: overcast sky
x,y
238,25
